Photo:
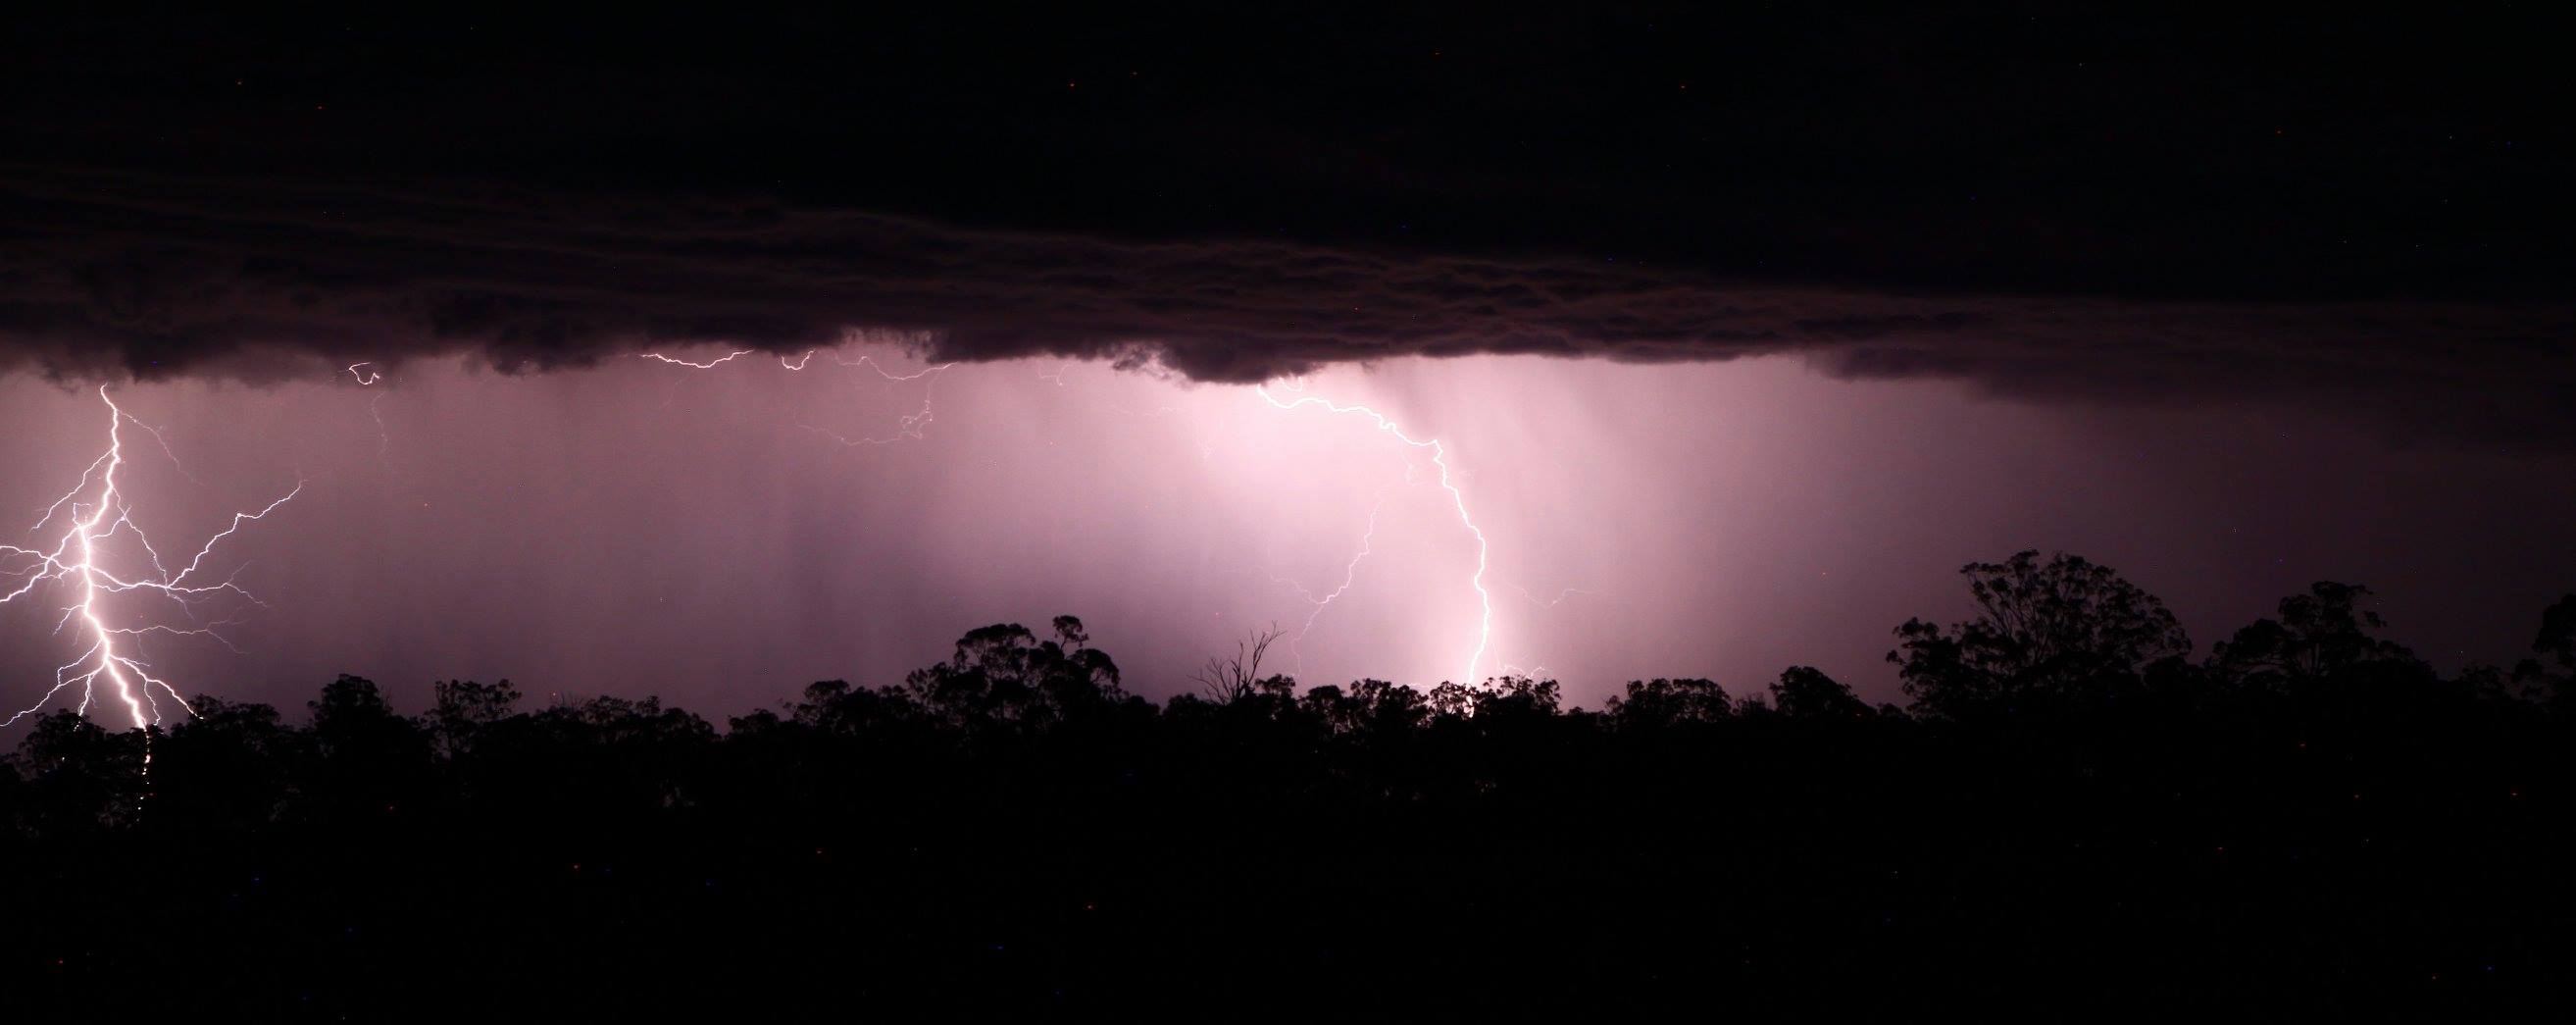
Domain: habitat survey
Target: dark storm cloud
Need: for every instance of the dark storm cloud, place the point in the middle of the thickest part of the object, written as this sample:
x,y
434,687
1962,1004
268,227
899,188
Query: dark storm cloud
x,y
117,273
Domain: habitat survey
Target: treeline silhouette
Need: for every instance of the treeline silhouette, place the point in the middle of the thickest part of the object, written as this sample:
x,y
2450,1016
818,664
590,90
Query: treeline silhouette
x,y
2073,814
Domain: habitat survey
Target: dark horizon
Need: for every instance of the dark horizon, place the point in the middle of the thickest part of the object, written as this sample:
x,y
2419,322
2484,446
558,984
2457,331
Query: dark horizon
x,y
2066,812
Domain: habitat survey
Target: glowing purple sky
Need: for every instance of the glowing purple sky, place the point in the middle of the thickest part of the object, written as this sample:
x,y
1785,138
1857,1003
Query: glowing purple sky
x,y
644,528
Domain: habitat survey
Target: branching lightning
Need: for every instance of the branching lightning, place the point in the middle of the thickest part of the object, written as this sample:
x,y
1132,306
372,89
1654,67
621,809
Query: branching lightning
x,y
871,363
1546,603
909,427
1458,498
97,512
912,427
1350,574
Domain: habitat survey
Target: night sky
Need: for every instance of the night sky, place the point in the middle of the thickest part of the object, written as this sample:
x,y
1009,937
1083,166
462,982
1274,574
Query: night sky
x,y
1740,330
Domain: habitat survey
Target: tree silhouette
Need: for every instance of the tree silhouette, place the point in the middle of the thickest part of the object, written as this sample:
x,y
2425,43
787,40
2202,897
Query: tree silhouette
x,y
231,766
1663,702
2320,635
1520,696
461,710
1229,679
80,776
1008,834
2065,632
1805,692
1003,675
1370,707
2557,638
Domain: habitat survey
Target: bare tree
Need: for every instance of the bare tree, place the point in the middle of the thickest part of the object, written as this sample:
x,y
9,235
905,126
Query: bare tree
x,y
1227,680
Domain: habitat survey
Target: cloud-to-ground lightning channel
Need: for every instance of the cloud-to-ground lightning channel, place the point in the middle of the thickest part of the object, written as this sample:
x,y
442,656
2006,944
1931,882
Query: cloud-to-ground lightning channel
x,y
910,427
1458,498
77,562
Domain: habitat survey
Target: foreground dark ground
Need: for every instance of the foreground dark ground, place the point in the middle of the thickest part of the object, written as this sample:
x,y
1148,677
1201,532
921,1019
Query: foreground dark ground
x,y
2074,817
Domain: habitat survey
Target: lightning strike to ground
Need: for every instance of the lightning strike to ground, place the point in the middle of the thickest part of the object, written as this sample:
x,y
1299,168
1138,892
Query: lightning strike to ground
x,y
78,563
911,427
1458,498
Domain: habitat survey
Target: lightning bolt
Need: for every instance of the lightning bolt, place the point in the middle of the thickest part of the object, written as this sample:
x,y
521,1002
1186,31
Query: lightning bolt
x,y
707,365
1350,573
76,562
384,438
871,363
1547,603
1457,498
912,426
909,427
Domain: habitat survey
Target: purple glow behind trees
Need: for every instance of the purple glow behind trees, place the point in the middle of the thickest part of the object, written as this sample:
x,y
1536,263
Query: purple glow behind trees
x,y
640,528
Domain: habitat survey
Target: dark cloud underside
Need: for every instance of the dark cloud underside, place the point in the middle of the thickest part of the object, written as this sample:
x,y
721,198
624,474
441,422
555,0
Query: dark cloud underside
x,y
119,273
